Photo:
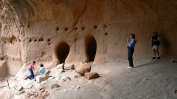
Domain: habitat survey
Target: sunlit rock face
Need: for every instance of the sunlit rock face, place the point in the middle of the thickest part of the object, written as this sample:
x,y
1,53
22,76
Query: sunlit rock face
x,y
70,31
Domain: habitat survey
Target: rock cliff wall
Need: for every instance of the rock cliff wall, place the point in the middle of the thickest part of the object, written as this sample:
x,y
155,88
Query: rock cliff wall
x,y
55,31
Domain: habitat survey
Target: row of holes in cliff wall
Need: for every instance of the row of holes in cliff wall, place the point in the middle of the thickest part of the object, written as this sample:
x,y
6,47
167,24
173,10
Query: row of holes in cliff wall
x,y
62,49
46,43
11,52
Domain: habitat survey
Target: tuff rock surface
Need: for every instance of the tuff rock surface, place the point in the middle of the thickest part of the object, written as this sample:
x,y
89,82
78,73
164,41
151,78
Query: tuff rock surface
x,y
69,31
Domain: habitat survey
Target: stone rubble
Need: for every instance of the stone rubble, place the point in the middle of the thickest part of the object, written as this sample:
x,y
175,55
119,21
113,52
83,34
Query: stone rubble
x,y
72,67
65,78
55,86
172,60
55,72
83,68
42,77
91,75
32,94
29,87
76,76
20,92
49,76
20,88
175,92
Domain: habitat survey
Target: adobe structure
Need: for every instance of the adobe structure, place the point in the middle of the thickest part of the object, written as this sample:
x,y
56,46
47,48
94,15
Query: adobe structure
x,y
70,31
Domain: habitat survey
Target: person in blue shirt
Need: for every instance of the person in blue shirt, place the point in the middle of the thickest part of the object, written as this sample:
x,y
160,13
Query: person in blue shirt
x,y
42,69
131,45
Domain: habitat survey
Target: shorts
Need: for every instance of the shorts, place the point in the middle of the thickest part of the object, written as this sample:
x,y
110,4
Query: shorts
x,y
155,47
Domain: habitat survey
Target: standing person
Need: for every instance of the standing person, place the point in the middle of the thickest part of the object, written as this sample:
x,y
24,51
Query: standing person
x,y
31,68
155,45
42,69
131,44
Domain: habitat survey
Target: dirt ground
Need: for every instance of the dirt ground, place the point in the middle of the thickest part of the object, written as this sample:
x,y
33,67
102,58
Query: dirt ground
x,y
150,79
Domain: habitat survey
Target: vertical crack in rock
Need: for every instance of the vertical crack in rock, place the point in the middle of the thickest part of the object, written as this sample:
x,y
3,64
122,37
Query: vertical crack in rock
x,y
16,25
79,16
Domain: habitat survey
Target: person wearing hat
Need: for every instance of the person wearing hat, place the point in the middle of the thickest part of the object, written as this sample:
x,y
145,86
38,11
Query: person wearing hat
x,y
155,45
131,45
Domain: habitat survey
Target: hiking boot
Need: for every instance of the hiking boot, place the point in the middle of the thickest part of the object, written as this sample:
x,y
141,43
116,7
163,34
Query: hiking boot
x,y
153,57
158,57
26,78
129,67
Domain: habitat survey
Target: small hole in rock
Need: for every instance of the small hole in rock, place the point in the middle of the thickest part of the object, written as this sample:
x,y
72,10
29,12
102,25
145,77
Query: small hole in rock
x,y
83,28
11,41
106,34
48,40
104,26
95,26
35,40
30,40
57,28
28,25
75,28
40,39
49,43
66,29
1,58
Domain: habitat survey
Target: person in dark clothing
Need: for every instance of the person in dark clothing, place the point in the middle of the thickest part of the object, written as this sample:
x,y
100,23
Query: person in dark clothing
x,y
155,45
131,45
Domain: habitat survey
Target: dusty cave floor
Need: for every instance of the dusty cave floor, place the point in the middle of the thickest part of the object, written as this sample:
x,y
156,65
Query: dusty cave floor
x,y
150,79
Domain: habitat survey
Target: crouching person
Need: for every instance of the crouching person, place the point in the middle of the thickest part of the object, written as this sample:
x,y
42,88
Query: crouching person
x,y
42,69
42,75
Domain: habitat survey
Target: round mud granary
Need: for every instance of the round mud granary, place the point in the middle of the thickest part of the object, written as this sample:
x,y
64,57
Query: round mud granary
x,y
91,47
62,52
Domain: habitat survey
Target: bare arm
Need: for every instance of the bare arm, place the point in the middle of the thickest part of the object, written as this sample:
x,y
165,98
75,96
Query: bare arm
x,y
127,40
33,68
